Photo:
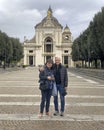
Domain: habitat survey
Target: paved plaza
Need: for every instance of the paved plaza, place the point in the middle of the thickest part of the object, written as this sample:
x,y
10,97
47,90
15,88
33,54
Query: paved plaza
x,y
20,100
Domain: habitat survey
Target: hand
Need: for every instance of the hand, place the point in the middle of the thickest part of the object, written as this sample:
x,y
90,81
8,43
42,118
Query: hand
x,y
41,68
49,78
65,88
52,78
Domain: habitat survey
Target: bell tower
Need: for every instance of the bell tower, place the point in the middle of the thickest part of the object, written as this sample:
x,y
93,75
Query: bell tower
x,y
66,35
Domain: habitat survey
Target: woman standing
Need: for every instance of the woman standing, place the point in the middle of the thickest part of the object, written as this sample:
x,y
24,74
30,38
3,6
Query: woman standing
x,y
46,84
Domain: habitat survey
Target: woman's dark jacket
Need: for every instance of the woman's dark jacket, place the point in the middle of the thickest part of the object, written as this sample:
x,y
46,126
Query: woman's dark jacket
x,y
44,74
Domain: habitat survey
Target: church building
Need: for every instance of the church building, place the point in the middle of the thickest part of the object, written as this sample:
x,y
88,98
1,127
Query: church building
x,y
50,41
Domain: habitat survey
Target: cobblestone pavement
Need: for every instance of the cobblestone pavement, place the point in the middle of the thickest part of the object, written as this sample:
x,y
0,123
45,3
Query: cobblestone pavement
x,y
20,99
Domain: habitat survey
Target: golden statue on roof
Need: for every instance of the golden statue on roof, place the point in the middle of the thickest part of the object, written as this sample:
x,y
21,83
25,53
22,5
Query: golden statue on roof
x,y
49,12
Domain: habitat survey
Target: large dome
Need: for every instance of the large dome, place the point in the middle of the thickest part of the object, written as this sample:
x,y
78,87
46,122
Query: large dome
x,y
49,21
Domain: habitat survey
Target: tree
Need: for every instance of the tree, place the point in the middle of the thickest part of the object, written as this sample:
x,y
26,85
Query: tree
x,y
91,42
10,50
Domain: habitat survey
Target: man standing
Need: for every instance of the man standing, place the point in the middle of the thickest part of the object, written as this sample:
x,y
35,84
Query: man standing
x,y
61,78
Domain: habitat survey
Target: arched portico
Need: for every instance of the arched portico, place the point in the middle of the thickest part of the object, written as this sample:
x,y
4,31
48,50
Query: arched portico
x,y
48,48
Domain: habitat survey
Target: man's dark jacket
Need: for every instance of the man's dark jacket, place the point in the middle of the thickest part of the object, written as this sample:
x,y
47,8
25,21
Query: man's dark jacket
x,y
63,75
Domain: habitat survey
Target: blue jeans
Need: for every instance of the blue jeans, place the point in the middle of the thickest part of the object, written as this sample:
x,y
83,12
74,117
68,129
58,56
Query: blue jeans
x,y
45,100
62,98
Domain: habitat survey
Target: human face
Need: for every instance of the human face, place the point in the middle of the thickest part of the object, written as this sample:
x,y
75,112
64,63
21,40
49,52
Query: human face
x,y
49,65
57,61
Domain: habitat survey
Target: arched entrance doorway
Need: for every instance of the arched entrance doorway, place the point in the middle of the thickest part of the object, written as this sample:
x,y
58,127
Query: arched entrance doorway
x,y
48,48
30,60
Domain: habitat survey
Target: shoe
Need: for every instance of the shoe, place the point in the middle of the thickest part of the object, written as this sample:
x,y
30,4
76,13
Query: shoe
x,y
48,114
56,113
62,114
40,115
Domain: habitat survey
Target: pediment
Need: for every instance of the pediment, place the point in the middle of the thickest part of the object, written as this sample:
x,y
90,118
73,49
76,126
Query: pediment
x,y
48,23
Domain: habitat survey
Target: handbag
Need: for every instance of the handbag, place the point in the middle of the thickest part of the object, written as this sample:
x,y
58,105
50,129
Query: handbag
x,y
44,85
54,90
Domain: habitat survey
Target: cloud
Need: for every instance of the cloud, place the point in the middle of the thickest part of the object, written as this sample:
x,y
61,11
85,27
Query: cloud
x,y
18,17
18,24
60,12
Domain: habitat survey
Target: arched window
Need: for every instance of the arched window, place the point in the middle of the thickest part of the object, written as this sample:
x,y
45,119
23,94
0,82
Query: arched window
x,y
48,46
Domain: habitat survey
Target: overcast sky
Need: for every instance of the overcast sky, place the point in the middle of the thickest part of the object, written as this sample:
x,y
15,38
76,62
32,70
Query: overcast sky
x,y
18,17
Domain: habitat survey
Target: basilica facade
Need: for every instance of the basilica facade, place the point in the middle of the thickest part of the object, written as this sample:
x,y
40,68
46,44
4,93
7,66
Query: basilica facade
x,y
50,41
